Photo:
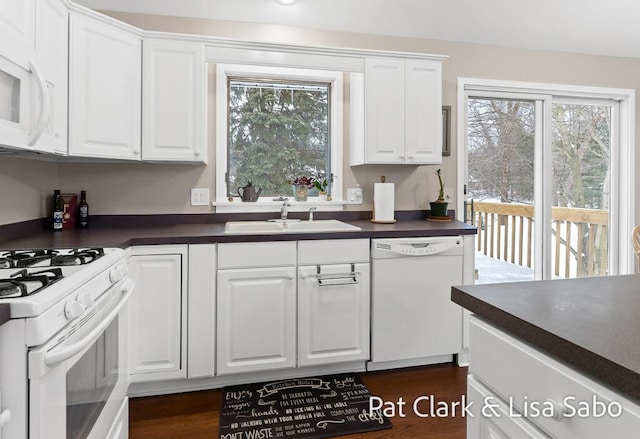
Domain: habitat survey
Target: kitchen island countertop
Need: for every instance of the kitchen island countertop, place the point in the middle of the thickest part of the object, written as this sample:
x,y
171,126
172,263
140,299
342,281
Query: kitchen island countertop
x,y
591,324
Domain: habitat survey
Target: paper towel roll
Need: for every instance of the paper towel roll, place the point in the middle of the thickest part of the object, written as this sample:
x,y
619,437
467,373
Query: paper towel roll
x,y
383,203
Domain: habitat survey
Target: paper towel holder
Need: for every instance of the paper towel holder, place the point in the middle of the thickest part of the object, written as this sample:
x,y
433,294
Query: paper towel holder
x,y
383,179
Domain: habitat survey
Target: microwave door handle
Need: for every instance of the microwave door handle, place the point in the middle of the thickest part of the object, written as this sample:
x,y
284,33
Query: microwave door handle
x,y
43,116
54,357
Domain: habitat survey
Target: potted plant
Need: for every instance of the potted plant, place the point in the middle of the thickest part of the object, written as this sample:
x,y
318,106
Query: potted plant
x,y
301,186
321,186
439,207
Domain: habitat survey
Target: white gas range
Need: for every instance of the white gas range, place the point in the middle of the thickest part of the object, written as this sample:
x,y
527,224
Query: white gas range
x,y
63,368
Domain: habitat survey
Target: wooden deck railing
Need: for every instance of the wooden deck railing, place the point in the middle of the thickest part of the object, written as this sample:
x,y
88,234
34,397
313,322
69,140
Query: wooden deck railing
x,y
505,231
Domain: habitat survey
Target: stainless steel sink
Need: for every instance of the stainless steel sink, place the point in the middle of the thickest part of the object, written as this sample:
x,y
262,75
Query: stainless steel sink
x,y
290,226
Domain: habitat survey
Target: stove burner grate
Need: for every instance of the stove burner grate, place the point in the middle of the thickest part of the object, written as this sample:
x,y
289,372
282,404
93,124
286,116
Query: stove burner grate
x,y
24,258
47,257
17,285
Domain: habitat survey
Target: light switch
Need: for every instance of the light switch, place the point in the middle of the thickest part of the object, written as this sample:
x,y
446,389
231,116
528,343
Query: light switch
x,y
354,195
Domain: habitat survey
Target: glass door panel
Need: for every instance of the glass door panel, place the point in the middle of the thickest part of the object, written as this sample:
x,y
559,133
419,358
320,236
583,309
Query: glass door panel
x,y
581,191
502,135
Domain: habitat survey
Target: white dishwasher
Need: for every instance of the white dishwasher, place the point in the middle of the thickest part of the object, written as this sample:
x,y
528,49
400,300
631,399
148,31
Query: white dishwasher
x,y
413,319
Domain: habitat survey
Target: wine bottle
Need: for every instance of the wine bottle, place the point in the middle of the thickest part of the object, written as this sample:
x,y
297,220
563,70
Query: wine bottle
x,y
57,210
83,211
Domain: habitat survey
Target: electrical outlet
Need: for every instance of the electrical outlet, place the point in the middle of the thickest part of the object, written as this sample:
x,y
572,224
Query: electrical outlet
x,y
448,195
199,196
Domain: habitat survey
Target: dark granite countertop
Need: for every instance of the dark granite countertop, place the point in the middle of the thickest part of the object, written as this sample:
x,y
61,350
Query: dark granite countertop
x,y
125,236
166,229
5,313
592,324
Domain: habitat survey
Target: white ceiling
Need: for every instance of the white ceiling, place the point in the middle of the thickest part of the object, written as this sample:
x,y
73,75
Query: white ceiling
x,y
605,27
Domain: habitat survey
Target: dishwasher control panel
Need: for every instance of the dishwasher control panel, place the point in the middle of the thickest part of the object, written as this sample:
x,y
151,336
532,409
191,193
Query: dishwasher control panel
x,y
416,246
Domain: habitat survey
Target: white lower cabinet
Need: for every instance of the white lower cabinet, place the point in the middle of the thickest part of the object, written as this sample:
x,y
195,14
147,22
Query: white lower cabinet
x,y
333,301
497,423
256,307
520,392
282,306
333,313
158,313
256,319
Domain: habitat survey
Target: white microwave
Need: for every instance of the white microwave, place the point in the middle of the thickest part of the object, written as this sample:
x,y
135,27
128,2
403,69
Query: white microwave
x,y
25,105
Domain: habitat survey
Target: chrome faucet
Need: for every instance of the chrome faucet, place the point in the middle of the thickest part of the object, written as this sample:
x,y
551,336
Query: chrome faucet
x,y
284,210
311,210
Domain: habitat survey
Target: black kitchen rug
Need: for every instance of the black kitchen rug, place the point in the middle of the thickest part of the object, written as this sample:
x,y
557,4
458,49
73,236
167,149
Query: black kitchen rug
x,y
301,408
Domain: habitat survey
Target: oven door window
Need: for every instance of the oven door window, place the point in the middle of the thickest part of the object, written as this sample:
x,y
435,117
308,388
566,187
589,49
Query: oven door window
x,y
90,382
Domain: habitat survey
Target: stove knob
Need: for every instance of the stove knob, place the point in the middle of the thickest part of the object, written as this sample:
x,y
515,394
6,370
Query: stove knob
x,y
73,309
5,417
86,301
118,273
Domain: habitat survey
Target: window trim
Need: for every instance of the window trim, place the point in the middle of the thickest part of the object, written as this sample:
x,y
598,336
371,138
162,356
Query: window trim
x,y
223,71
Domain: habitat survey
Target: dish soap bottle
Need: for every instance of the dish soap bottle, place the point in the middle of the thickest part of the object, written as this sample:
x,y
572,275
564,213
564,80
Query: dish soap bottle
x,y
57,211
83,211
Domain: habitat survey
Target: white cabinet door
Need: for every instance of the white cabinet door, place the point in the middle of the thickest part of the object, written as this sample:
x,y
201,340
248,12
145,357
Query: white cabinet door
x,y
52,49
173,101
17,31
423,112
104,90
157,313
402,112
256,319
384,111
333,314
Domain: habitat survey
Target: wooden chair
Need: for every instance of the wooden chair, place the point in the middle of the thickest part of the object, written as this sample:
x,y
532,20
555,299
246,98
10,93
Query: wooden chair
x,y
636,244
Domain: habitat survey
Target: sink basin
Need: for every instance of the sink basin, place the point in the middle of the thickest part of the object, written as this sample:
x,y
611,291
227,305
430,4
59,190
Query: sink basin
x,y
267,228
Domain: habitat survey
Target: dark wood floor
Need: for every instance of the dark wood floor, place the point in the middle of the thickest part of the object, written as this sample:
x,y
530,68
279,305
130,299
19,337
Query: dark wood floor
x,y
195,415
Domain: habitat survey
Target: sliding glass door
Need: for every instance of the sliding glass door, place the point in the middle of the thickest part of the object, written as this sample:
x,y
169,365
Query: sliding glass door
x,y
538,184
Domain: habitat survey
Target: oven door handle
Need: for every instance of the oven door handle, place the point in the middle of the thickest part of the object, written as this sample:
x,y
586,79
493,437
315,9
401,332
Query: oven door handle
x,y
54,357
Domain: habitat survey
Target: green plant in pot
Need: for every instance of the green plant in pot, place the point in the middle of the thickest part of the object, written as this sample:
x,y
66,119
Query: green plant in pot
x,y
439,207
321,186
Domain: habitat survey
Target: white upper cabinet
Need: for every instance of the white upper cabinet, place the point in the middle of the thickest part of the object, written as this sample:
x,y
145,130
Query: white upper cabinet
x,y
397,104
173,101
52,51
384,111
17,33
423,112
104,89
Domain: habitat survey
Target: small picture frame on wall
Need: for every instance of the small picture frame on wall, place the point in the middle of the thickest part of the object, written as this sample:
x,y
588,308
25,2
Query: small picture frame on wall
x,y
446,130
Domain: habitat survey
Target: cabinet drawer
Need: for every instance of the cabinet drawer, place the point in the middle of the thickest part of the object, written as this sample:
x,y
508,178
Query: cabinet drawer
x,y
333,251
522,375
497,422
256,254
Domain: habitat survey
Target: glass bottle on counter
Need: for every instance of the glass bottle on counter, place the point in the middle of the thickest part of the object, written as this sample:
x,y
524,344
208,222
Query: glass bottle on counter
x,y
57,210
83,211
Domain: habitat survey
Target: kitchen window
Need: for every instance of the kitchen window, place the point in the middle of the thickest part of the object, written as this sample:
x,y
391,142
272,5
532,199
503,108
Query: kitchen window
x,y
274,124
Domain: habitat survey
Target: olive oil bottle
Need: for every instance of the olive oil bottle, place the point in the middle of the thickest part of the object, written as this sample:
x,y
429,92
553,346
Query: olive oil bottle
x,y
57,211
83,211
